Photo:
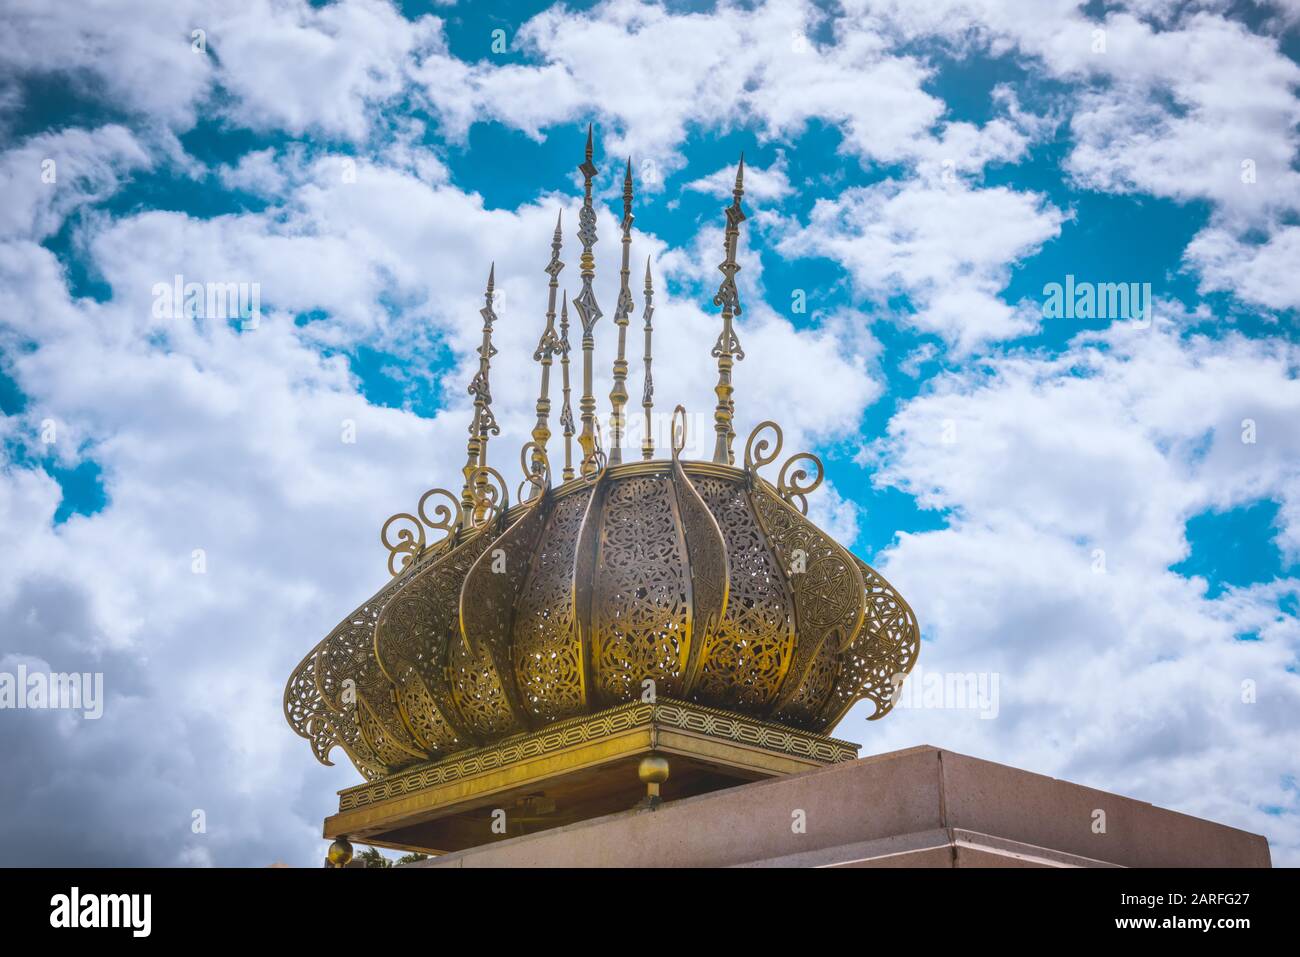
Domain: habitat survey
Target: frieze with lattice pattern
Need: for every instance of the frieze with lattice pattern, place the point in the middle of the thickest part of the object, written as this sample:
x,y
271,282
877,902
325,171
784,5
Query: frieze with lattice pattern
x,y
575,731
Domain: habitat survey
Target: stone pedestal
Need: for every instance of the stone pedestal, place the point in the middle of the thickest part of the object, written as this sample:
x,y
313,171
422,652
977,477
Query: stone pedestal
x,y
921,807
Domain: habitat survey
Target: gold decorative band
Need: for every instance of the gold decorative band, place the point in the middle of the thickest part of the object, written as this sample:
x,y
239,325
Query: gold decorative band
x,y
665,713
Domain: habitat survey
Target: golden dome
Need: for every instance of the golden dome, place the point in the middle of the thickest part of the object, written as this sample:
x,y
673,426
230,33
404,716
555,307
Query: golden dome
x,y
700,582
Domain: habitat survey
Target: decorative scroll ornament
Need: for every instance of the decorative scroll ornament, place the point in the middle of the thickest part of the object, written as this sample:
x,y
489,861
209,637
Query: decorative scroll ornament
x,y
791,483
537,473
594,466
491,495
410,542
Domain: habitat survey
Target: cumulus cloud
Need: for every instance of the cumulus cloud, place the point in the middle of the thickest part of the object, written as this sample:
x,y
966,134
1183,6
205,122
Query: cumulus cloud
x,y
1067,484
948,247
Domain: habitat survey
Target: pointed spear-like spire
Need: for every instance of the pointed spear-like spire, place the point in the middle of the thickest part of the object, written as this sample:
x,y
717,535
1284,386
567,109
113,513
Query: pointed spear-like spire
x,y
547,346
648,396
566,410
588,311
727,349
618,395
484,423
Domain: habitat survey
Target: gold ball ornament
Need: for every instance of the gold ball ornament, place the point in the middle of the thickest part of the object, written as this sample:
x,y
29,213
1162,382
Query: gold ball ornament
x,y
340,853
653,769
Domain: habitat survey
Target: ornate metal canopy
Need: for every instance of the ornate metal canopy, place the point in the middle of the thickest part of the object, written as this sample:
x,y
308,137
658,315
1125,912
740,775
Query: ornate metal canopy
x,y
699,583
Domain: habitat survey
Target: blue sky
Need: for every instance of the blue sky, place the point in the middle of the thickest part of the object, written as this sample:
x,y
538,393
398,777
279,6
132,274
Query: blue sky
x,y
1104,513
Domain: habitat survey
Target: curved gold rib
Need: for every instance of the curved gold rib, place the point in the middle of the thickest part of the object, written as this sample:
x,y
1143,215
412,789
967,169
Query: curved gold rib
x,y
706,552
580,590
483,676
412,636
307,714
886,647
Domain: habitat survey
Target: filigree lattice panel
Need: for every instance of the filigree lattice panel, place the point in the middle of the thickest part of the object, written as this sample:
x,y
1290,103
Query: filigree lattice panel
x,y
412,638
828,599
886,646
479,684
641,605
547,645
743,661
309,717
352,683
482,674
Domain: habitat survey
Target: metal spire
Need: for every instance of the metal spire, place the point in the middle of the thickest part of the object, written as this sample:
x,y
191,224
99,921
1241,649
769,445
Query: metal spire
x,y
566,410
589,312
618,394
484,423
727,349
648,396
547,346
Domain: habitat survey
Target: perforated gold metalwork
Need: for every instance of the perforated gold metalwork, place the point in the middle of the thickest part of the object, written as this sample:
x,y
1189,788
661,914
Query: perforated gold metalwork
x,y
412,638
482,678
548,652
743,662
828,601
641,614
885,648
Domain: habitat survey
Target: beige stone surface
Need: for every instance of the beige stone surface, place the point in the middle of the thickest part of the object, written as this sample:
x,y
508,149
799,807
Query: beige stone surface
x,y
921,807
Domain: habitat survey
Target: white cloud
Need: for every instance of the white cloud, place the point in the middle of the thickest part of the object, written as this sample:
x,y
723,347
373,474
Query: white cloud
x,y
52,174
1258,272
1068,483
300,67
771,183
949,248
137,54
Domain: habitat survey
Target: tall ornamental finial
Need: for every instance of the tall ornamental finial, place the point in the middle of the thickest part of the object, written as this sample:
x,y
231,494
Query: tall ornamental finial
x,y
648,396
618,394
566,410
484,423
727,349
589,313
547,346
